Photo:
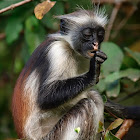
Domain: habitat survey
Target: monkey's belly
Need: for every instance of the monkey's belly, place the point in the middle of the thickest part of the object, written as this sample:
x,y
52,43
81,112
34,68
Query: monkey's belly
x,y
40,123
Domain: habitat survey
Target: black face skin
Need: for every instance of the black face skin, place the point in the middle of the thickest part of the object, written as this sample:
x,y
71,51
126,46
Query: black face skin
x,y
93,35
84,39
89,38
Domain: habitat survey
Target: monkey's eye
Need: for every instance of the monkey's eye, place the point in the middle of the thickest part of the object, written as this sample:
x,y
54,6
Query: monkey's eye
x,y
101,34
87,32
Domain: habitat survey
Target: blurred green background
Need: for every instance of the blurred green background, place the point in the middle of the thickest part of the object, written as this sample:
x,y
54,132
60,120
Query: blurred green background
x,y
21,33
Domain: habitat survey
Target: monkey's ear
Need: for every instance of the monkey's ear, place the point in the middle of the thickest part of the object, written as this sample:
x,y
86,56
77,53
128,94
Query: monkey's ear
x,y
64,26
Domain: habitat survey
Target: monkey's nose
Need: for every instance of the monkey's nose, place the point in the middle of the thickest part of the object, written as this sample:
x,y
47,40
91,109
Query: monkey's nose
x,y
95,46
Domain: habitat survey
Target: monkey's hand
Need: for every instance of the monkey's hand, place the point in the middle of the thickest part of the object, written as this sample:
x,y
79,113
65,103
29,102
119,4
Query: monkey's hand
x,y
100,57
95,64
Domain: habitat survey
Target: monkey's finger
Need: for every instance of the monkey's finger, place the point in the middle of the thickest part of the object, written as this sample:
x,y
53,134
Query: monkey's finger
x,y
99,60
93,60
101,54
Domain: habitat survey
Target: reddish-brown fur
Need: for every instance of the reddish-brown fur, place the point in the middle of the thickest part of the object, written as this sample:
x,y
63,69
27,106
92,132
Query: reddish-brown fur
x,y
20,106
20,102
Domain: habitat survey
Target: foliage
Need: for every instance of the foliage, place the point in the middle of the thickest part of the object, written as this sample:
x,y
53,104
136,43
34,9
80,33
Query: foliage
x,y
110,136
112,71
21,32
77,130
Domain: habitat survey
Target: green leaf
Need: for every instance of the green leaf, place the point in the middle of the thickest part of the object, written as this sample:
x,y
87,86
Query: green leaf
x,y
13,28
110,136
50,22
6,3
101,86
130,87
77,130
113,89
135,55
18,65
112,77
101,127
129,62
115,57
104,98
34,34
115,124
32,40
58,8
25,55
132,74
31,23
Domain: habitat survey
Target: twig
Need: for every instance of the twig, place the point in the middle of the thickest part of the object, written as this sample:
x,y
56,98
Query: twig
x,y
123,22
111,1
111,114
2,36
14,6
127,97
127,124
112,19
132,27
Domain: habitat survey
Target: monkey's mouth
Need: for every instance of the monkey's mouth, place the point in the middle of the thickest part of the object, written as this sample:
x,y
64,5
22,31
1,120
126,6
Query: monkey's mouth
x,y
91,53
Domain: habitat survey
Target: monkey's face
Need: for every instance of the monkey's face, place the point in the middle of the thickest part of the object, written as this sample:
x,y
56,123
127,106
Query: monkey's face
x,y
89,40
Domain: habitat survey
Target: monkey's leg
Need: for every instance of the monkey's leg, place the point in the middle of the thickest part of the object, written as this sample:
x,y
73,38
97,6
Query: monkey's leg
x,y
96,97
83,115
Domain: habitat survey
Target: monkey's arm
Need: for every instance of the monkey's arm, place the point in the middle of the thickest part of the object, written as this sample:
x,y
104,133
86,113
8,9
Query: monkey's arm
x,y
63,90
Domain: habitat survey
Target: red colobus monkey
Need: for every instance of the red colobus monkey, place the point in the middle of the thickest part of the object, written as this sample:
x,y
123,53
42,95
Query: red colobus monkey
x,y
53,93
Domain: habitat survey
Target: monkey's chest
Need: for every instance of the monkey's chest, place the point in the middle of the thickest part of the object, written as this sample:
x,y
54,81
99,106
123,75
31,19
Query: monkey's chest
x,y
82,65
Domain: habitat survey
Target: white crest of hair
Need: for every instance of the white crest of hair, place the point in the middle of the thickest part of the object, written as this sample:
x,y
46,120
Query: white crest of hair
x,y
83,16
100,15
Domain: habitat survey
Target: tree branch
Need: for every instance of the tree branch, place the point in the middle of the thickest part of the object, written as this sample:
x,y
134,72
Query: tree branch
x,y
14,6
111,21
127,124
125,112
131,115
